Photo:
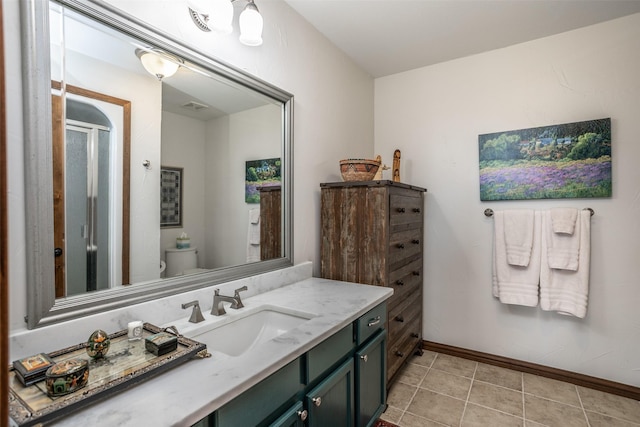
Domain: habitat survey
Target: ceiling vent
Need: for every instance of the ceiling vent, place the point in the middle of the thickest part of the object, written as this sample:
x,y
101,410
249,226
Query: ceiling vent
x,y
194,106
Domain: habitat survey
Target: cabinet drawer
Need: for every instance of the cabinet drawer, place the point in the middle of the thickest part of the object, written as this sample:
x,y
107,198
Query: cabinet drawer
x,y
401,318
328,353
404,281
257,403
371,322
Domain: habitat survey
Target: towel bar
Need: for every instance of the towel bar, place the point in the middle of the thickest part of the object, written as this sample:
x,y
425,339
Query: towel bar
x,y
489,212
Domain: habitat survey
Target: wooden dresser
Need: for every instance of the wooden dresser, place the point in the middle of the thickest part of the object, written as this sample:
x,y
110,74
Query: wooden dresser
x,y
372,233
270,222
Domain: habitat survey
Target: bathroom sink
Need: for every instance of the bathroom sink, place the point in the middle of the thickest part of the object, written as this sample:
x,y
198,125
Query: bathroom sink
x,y
241,332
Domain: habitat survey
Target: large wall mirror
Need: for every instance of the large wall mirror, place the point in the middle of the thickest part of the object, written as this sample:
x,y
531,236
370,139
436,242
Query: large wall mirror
x,y
151,169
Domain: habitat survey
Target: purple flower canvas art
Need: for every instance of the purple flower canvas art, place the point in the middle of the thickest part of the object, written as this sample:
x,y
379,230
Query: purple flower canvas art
x,y
571,160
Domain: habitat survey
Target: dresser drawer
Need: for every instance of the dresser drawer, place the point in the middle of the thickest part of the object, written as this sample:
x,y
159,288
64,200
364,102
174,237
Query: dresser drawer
x,y
401,349
404,246
405,211
404,281
403,315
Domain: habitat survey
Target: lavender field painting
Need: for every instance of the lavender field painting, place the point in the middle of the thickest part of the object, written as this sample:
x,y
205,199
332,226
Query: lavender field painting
x,y
261,173
571,160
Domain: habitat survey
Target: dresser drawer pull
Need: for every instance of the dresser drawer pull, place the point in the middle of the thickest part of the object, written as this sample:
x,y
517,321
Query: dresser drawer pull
x,y
317,401
364,358
416,241
416,273
399,283
399,354
400,245
400,319
401,210
303,415
416,210
415,335
373,321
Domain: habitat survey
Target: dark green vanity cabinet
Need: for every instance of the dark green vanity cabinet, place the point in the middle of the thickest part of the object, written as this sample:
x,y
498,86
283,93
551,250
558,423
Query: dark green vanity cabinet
x,y
340,382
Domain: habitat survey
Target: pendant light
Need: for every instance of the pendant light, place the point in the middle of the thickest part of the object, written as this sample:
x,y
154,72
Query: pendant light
x,y
217,15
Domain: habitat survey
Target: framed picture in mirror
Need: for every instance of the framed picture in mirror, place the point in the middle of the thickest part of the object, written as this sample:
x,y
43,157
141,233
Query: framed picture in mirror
x,y
170,197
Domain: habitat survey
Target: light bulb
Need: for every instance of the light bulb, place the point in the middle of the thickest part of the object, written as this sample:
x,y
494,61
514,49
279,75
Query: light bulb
x,y
251,26
158,64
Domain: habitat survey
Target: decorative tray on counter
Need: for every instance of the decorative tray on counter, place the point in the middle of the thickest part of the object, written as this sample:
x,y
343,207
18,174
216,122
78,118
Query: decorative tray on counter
x,y
126,363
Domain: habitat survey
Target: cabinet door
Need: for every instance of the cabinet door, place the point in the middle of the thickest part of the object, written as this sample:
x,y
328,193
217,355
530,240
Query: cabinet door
x,y
331,402
294,417
371,384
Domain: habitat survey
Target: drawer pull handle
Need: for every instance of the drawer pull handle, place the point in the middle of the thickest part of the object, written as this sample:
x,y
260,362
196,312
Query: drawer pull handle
x,y
401,210
416,273
400,319
303,415
373,321
364,358
415,335
399,283
317,401
399,354
416,210
400,245
416,241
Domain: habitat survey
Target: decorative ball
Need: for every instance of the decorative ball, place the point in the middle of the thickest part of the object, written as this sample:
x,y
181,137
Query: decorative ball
x,y
98,344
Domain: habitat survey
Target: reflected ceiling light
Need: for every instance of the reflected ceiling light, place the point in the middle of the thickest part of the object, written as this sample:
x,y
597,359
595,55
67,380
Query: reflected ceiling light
x,y
158,63
217,15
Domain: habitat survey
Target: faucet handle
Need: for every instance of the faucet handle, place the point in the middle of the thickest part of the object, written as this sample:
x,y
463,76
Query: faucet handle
x,y
236,295
196,314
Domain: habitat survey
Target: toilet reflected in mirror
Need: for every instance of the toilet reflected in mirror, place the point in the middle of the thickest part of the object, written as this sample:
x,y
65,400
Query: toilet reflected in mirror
x,y
181,262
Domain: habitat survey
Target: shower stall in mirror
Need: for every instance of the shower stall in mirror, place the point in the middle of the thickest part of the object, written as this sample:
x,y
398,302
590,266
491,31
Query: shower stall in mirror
x,y
90,175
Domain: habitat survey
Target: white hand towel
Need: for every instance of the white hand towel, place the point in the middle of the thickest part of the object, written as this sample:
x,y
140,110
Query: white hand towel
x,y
567,291
515,284
563,250
518,235
564,220
253,236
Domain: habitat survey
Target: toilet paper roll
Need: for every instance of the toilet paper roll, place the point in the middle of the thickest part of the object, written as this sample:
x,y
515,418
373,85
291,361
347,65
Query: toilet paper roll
x,y
163,266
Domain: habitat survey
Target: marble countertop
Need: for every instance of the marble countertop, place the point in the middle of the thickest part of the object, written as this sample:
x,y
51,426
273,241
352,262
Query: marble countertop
x,y
191,391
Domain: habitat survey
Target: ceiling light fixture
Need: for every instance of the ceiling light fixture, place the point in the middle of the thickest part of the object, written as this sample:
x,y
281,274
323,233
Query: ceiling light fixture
x,y
217,15
159,63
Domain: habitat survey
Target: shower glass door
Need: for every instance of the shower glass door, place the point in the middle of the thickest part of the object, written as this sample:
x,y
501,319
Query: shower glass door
x,y
87,205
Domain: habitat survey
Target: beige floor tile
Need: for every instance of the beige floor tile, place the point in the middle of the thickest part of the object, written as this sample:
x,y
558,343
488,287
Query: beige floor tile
x,y
410,420
553,414
437,407
610,404
499,376
455,365
446,383
601,420
392,415
400,395
551,389
478,416
412,374
529,423
426,359
495,397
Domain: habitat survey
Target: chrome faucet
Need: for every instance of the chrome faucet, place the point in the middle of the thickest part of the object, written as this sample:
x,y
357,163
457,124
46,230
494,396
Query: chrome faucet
x,y
236,302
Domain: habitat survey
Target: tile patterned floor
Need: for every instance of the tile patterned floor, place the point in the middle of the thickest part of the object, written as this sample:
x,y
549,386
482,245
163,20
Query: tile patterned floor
x,y
436,390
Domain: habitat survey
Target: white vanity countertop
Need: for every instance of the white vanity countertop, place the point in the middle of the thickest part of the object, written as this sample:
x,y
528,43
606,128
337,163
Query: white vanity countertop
x,y
189,392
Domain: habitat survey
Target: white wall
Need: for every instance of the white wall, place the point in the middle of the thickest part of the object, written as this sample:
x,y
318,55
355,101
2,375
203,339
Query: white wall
x,y
183,145
333,113
250,135
581,75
